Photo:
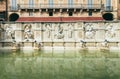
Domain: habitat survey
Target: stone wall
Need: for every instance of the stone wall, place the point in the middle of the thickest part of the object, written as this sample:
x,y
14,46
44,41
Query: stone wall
x,y
92,34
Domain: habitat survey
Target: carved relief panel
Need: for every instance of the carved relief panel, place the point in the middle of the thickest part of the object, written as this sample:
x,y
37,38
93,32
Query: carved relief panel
x,y
28,32
89,31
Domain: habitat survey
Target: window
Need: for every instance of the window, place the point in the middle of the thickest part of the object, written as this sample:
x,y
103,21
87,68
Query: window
x,y
2,15
108,5
50,13
70,14
31,3
70,3
90,13
89,4
30,13
13,4
108,2
51,3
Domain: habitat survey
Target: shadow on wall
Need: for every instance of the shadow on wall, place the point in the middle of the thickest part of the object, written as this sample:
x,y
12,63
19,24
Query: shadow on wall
x,y
108,16
13,17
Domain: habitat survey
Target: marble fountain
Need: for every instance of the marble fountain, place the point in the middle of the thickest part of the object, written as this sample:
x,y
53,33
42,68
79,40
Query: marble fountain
x,y
48,36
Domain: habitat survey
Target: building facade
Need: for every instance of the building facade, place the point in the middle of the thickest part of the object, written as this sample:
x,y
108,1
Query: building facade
x,y
62,10
119,10
2,10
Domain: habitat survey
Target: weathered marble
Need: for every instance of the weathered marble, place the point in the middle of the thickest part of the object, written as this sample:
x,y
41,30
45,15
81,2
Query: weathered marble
x,y
67,34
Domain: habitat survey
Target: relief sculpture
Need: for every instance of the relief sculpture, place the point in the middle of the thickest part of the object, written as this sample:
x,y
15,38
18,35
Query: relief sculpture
x,y
70,30
110,33
28,34
59,32
48,29
9,32
89,31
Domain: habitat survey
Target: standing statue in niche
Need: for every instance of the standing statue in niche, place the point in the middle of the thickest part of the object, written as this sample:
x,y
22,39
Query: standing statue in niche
x,y
9,32
89,31
70,30
48,30
28,34
59,32
110,33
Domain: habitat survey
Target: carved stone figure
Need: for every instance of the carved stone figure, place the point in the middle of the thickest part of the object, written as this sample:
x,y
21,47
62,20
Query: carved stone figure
x,y
37,45
110,33
89,31
82,44
9,32
48,30
59,32
105,44
70,30
28,34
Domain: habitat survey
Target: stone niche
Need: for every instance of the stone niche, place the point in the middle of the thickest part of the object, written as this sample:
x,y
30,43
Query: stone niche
x,y
18,35
37,31
47,31
79,33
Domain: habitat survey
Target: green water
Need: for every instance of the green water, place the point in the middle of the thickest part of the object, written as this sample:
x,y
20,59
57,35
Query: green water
x,y
60,65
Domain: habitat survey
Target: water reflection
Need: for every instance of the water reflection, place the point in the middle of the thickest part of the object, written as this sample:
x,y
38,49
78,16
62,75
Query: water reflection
x,y
57,64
